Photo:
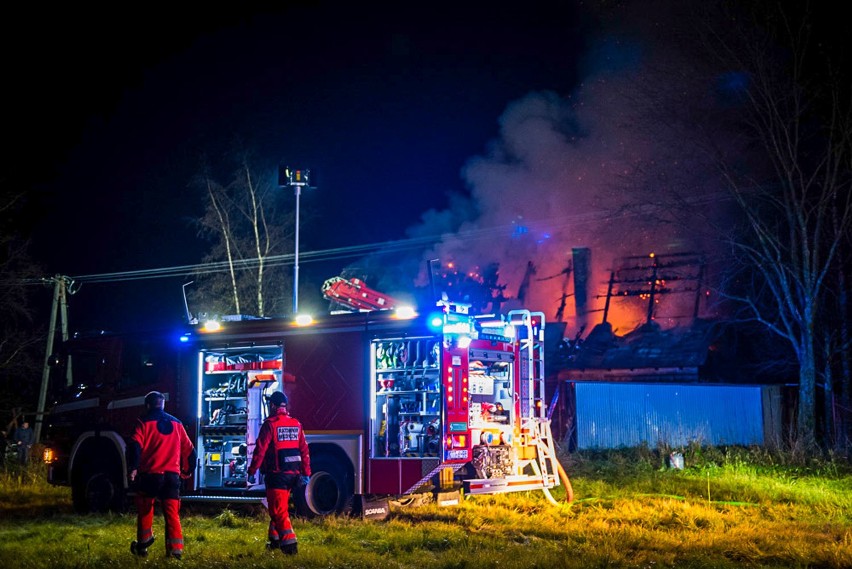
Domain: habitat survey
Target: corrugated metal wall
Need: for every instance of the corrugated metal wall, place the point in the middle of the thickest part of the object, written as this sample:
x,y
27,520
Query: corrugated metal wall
x,y
613,415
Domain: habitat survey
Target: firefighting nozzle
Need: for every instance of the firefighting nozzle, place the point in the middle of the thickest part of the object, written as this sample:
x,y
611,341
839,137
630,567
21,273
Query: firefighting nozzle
x,y
303,480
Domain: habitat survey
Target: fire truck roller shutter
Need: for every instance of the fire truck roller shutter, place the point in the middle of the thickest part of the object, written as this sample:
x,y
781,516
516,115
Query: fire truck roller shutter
x,y
97,476
331,487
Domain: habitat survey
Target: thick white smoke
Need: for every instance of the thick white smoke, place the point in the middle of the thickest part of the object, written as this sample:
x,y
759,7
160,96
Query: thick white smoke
x,y
585,170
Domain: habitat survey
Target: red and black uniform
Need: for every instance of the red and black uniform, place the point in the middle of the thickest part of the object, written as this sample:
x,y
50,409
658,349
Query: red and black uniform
x,y
161,452
281,455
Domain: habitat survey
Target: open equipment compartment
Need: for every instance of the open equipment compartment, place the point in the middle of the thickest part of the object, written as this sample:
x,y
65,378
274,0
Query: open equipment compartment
x,y
233,386
492,412
406,397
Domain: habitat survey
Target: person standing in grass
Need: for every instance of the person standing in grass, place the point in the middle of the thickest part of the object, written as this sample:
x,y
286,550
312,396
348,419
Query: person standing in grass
x,y
24,438
159,454
281,454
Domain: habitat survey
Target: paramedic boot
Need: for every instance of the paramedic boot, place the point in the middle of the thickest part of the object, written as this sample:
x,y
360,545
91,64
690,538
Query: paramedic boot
x,y
273,544
290,548
140,549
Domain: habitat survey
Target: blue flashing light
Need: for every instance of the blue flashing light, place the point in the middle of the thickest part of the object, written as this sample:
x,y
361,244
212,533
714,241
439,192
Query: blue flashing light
x,y
436,321
184,338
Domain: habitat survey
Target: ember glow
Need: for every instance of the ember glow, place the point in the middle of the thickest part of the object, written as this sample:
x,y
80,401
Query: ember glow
x,y
586,170
594,170
528,184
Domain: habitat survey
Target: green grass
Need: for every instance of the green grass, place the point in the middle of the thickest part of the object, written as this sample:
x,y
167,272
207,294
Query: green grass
x,y
729,508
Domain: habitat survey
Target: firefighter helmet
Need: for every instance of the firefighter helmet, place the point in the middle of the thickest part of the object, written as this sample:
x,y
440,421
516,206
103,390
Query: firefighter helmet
x,y
277,399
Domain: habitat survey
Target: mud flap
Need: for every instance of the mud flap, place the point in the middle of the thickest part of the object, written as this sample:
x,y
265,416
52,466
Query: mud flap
x,y
370,508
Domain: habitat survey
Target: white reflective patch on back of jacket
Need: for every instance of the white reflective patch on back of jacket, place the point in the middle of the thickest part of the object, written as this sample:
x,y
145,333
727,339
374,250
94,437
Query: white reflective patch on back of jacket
x,y
288,433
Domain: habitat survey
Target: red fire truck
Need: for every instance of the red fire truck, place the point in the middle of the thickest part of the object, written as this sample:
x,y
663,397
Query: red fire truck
x,y
391,405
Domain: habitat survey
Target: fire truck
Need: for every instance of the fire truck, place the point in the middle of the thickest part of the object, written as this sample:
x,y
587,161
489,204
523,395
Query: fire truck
x,y
392,402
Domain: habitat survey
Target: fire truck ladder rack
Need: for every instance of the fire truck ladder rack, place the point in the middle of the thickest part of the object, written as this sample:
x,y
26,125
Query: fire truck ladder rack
x,y
531,367
533,413
546,464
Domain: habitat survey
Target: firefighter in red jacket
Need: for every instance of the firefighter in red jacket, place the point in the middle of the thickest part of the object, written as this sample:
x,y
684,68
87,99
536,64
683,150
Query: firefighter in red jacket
x,y
159,454
281,455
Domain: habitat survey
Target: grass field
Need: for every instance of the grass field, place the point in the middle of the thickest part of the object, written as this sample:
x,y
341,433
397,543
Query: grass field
x,y
727,508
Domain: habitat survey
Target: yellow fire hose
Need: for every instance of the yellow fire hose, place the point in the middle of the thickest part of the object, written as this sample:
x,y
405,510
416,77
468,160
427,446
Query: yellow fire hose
x,y
563,477
569,490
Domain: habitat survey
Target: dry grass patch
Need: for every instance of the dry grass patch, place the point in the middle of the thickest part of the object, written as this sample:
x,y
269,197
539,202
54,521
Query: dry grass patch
x,y
630,512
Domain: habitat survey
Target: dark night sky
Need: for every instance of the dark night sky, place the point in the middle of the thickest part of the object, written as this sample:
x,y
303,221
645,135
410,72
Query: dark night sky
x,y
385,101
530,115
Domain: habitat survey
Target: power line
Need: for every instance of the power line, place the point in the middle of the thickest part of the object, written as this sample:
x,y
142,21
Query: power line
x,y
270,261
385,247
242,264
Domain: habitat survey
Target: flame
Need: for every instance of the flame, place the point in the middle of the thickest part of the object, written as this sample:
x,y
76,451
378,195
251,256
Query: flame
x,y
627,309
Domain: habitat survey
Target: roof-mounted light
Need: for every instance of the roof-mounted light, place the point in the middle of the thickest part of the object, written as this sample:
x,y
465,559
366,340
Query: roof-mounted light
x,y
304,320
405,312
212,326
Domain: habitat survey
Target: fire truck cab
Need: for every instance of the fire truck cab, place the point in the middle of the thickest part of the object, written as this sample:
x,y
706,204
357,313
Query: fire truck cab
x,y
391,405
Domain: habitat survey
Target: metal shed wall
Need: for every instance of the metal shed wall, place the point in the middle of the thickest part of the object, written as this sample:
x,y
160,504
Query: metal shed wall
x,y
613,415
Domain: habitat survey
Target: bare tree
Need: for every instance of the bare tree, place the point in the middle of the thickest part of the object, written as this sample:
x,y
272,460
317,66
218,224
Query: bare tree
x,y
21,338
760,116
794,222
242,221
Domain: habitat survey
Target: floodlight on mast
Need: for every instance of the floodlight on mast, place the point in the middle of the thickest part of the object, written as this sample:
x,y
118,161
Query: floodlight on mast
x,y
296,179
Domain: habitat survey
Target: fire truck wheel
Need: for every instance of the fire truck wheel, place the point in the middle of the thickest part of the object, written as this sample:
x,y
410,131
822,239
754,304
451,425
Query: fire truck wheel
x,y
329,491
97,489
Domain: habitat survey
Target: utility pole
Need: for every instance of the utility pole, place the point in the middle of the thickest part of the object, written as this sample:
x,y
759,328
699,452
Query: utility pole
x,y
62,287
